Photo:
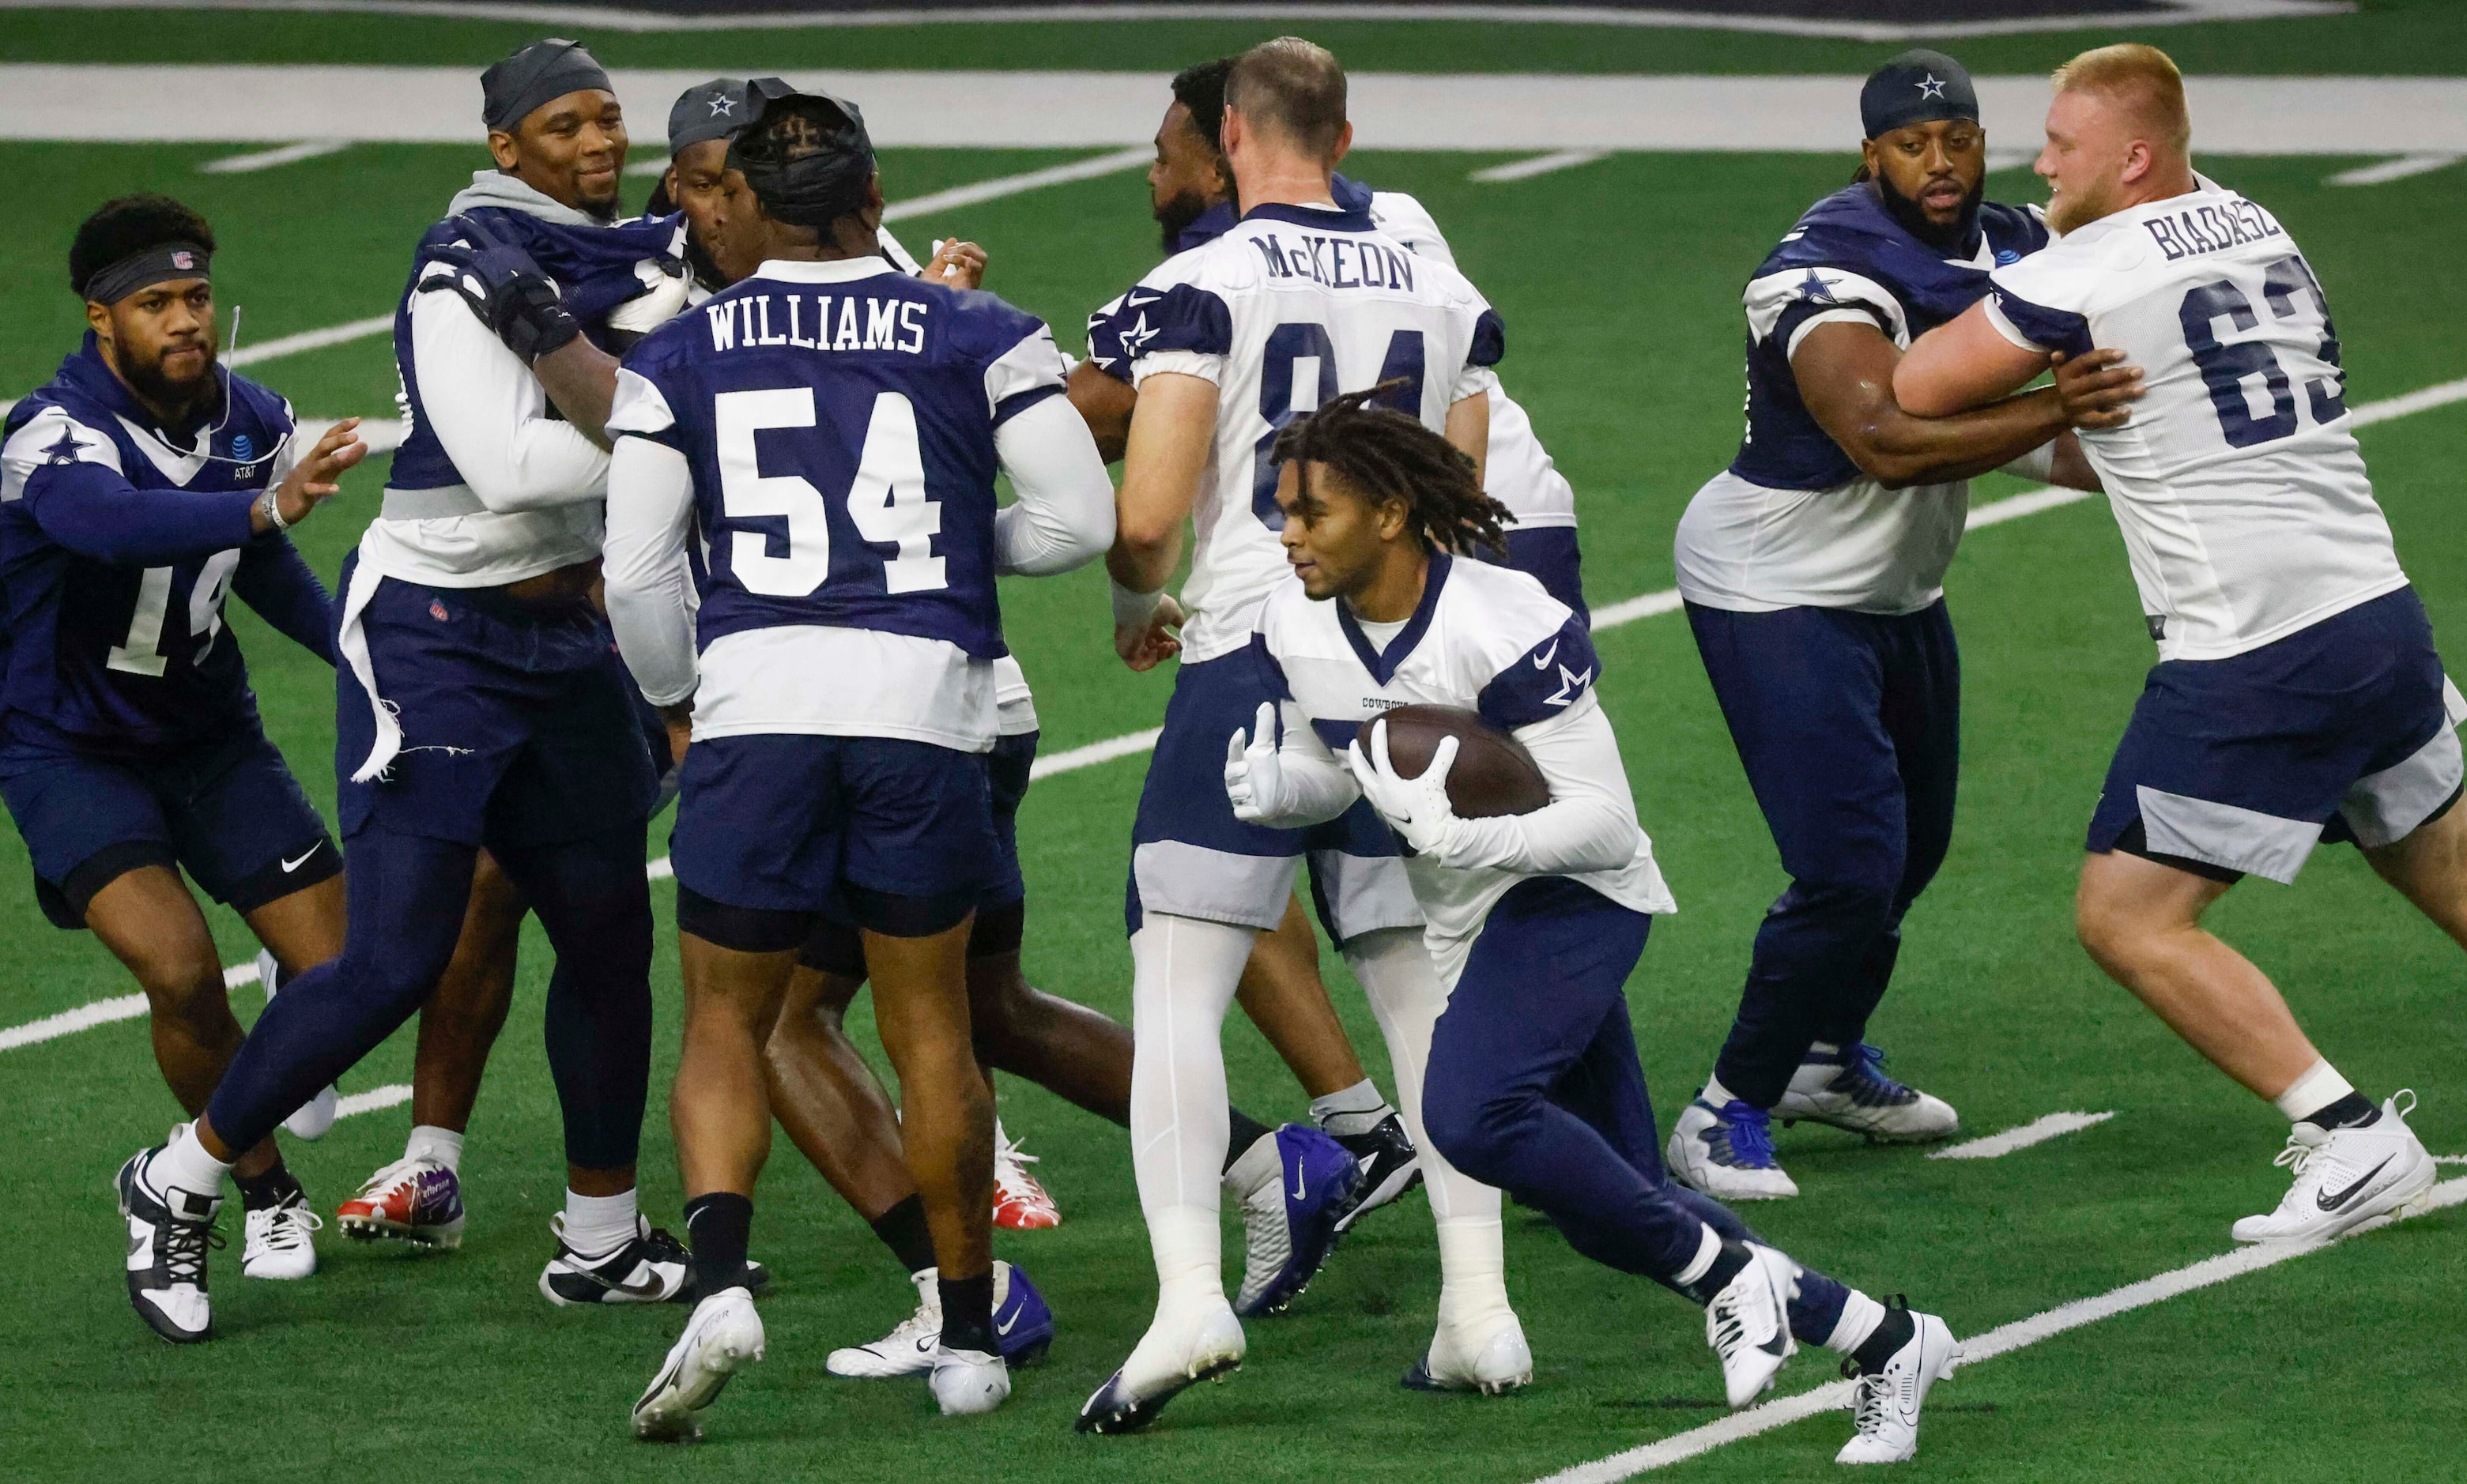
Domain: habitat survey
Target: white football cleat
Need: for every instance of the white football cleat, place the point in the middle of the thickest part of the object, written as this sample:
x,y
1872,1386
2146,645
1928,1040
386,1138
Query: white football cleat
x,y
1023,1330
1174,1355
277,1243
1727,1152
968,1382
723,1337
315,1118
1747,1323
1493,1365
1849,1089
2345,1176
1886,1404
169,1234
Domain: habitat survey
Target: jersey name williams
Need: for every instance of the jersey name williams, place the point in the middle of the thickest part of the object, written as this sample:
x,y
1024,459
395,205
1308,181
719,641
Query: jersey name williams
x,y
804,321
1341,261
2212,229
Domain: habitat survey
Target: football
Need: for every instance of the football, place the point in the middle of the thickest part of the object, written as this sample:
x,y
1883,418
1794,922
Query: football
x,y
1493,773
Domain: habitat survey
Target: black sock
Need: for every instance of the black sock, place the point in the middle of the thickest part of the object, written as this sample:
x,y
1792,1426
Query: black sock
x,y
902,1229
1726,1263
968,1313
2352,1111
719,1225
1890,1335
1247,1130
264,1192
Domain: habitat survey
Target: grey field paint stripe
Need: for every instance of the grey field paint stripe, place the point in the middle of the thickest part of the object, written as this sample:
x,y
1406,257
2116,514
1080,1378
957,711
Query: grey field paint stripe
x,y
311,340
619,18
2038,1131
268,159
1538,165
2400,169
1133,744
2004,1339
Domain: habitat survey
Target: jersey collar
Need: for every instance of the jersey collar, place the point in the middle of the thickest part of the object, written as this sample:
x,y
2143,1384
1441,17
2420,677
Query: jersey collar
x,y
839,270
1382,664
1325,219
1220,220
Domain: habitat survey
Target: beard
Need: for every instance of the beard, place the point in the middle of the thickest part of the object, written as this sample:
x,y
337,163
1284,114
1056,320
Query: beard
x,y
1950,237
197,397
1175,216
2069,211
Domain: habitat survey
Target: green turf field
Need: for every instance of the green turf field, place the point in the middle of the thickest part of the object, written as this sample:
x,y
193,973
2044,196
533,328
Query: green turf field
x,y
1618,282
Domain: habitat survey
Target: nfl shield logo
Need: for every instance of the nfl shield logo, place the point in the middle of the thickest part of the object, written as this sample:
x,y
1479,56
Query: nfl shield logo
x,y
184,260
436,610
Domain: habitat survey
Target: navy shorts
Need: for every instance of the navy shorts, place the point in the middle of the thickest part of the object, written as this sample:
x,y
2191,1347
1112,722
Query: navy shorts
x,y
776,822
2338,731
227,809
1548,554
1006,774
1191,858
520,725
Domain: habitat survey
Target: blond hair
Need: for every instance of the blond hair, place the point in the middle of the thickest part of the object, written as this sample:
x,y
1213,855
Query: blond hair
x,y
1294,88
2143,78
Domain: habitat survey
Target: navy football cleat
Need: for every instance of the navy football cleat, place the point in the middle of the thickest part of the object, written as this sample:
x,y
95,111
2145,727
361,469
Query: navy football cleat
x,y
1292,1227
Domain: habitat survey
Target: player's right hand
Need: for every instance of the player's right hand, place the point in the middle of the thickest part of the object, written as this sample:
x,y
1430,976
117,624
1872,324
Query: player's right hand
x,y
1255,772
2097,388
1144,646
313,479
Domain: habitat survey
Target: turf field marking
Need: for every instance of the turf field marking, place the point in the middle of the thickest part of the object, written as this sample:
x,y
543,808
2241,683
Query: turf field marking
x,y
2004,1339
268,159
2400,169
311,340
394,1094
2038,1131
1132,744
2180,12
1539,165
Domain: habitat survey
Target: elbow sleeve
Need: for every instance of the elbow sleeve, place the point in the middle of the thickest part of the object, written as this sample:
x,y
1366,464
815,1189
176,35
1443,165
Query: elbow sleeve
x,y
1064,517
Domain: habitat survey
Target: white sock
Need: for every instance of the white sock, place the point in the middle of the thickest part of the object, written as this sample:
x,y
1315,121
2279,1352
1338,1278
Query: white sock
x,y
1189,1258
1716,1095
1473,1276
1406,998
1860,1316
428,1142
1184,973
1355,1110
596,1226
2318,1088
1709,1246
184,1163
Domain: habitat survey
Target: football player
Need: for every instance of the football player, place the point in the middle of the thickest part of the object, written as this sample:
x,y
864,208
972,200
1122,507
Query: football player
x,y
2297,695
480,701
139,488
1812,569
1536,919
1225,343
833,427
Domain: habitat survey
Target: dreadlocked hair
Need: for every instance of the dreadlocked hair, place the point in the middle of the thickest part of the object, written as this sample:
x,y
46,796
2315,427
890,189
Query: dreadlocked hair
x,y
1387,455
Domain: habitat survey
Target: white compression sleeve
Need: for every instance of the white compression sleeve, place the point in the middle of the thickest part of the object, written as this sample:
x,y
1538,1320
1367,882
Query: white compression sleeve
x,y
492,413
1406,998
1184,973
1590,822
649,587
1317,786
1064,516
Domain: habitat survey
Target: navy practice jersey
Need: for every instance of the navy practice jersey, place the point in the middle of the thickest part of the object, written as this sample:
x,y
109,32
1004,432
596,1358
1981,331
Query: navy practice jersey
x,y
1848,253
118,543
839,422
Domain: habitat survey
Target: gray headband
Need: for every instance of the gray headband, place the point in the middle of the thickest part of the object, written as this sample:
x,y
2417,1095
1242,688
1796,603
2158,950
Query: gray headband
x,y
154,265
540,72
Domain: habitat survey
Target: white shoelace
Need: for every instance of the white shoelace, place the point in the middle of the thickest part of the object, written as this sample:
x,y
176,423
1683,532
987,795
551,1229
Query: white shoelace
x,y
1010,1174
394,1174
283,1229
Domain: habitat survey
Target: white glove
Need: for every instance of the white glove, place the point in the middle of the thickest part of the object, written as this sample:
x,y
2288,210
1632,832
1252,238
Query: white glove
x,y
1255,772
1417,807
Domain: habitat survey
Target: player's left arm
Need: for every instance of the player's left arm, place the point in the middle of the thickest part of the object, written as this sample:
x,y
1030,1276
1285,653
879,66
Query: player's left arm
x,y
1064,516
1104,402
1590,822
1174,430
1468,429
648,585
1964,362
275,580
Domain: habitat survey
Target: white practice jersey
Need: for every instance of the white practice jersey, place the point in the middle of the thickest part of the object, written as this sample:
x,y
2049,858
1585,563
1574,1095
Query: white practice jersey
x,y
1291,308
1517,472
1484,639
1014,704
2241,492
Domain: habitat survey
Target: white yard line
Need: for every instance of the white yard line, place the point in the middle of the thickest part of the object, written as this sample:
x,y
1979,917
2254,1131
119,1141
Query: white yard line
x,y
2038,1131
2400,169
268,159
1012,185
2004,1339
311,340
1539,165
1133,744
618,19
394,1094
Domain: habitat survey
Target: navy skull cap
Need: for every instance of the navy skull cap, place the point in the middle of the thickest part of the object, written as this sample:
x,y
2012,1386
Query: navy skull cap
x,y
1919,86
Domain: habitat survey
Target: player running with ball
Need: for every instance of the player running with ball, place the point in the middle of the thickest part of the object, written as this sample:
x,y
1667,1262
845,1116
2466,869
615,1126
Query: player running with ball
x,y
1536,919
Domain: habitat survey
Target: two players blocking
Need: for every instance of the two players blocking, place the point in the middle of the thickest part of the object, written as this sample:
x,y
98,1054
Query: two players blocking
x,y
1329,584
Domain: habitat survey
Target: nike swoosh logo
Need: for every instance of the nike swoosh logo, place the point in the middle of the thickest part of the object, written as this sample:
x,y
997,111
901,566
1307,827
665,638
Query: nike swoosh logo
x,y
1300,1191
643,1283
1548,655
2331,1203
1008,1326
289,867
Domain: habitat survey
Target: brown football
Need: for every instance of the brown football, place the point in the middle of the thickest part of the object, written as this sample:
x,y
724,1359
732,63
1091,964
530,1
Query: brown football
x,y
1493,773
